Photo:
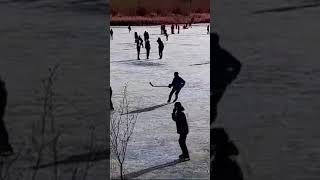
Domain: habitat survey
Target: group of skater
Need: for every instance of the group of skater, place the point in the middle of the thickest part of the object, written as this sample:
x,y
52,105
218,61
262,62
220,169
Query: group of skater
x,y
145,43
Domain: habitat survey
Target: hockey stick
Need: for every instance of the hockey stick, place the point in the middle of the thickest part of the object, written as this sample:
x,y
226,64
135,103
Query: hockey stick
x,y
156,86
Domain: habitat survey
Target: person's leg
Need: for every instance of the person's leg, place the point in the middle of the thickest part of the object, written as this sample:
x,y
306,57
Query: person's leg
x,y
161,53
170,95
183,146
176,95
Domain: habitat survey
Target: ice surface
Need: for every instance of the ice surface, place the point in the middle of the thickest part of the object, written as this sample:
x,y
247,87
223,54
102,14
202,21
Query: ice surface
x,y
155,140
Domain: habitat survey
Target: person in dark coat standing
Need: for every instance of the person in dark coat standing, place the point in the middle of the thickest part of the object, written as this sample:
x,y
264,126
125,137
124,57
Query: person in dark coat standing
x,y
161,47
129,28
225,69
5,147
148,47
166,34
135,36
178,29
172,29
177,84
182,129
138,45
111,34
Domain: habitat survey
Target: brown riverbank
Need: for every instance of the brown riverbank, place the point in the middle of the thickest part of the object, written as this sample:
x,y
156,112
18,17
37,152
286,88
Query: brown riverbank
x,y
119,20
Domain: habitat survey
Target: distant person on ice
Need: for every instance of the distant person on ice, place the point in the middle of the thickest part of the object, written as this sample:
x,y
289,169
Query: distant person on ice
x,y
138,45
178,29
208,29
161,47
135,36
182,129
172,29
166,34
148,47
111,34
177,84
162,28
225,69
129,28
5,147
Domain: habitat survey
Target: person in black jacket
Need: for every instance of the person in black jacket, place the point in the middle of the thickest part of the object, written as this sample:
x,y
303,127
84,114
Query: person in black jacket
x,y
225,69
139,42
182,128
148,47
5,147
177,84
111,34
161,47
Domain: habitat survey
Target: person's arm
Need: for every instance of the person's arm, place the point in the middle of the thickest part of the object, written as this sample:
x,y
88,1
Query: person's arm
x,y
170,85
173,114
183,82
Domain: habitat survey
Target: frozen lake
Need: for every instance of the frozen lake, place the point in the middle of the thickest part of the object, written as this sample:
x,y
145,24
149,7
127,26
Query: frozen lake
x,y
155,141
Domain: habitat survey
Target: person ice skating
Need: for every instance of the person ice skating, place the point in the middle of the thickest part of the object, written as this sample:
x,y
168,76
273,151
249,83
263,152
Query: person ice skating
x,y
162,27
222,150
177,84
225,69
138,45
111,104
172,29
129,28
111,34
5,147
166,34
161,47
148,47
178,29
135,36
208,29
182,129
